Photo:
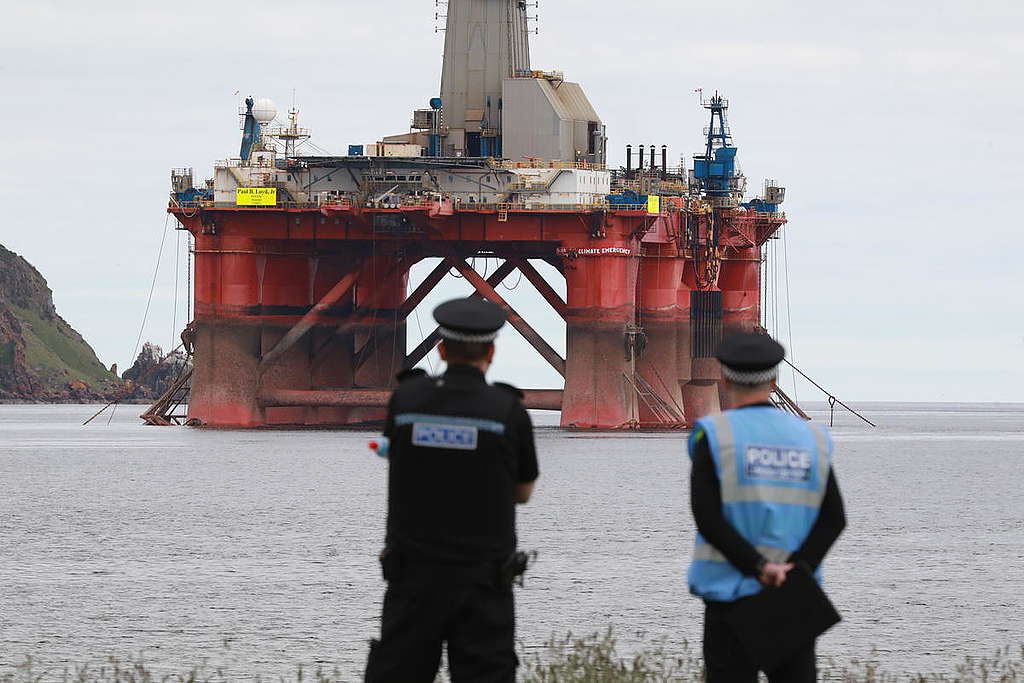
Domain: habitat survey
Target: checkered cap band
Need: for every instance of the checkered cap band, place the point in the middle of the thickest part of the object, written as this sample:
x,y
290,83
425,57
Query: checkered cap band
x,y
750,378
469,338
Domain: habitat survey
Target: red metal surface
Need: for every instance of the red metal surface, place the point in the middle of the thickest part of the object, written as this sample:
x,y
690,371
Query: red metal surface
x,y
536,399
663,318
300,313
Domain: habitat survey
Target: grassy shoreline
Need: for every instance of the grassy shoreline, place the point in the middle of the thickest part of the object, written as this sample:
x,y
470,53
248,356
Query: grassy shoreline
x,y
563,659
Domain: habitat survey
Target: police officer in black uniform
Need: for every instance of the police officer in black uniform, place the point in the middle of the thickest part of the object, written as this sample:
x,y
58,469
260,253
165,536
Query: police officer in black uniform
x,y
462,456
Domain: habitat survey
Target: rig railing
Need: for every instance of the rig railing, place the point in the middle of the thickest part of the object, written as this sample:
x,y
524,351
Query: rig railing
x,y
427,203
543,163
491,207
478,207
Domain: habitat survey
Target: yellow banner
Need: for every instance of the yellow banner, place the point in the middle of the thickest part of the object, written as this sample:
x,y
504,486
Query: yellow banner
x,y
256,196
653,204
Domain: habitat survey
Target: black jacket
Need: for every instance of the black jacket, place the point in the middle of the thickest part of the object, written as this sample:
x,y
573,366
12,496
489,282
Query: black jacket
x,y
458,449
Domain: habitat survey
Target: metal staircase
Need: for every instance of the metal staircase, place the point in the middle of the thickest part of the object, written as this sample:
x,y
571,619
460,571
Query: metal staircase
x,y
664,412
782,401
163,412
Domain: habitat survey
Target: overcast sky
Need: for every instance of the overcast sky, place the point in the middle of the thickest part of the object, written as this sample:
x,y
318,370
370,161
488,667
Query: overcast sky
x,y
895,126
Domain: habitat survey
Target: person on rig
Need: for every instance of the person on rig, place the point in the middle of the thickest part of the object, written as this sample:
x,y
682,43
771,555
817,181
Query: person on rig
x,y
766,503
461,457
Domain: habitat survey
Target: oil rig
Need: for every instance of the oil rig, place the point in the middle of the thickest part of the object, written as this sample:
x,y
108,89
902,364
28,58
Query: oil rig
x,y
301,282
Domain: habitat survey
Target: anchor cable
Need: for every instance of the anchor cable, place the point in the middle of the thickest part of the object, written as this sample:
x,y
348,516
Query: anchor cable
x,y
516,285
177,265
149,301
789,310
416,313
831,397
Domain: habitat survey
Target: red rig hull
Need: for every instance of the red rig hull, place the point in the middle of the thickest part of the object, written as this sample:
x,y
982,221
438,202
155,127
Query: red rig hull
x,y
300,313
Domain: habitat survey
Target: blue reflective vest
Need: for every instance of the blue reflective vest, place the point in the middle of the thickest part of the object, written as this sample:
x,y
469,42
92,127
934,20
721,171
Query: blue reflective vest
x,y
773,469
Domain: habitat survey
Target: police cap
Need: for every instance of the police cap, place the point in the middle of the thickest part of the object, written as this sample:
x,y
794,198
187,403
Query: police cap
x,y
750,358
472,320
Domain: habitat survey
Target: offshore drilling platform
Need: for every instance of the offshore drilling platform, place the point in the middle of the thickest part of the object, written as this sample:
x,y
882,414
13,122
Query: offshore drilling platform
x,y
302,262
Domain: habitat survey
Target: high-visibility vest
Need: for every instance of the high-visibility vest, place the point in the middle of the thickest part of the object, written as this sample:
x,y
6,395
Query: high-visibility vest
x,y
773,469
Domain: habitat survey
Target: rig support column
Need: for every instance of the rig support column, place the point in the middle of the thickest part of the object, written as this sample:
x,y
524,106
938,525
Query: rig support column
x,y
601,303
661,274
227,339
701,393
740,282
684,346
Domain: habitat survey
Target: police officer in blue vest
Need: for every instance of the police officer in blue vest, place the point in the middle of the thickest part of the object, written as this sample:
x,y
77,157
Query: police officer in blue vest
x,y
461,457
764,498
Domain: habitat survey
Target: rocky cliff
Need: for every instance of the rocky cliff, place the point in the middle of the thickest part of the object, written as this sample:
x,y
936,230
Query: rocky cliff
x,y
41,357
153,373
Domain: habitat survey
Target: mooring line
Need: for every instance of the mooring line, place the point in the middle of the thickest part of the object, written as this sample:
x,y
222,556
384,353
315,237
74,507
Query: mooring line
x,y
145,316
832,400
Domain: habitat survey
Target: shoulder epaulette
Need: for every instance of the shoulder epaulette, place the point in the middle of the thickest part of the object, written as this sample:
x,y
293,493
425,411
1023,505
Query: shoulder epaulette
x,y
510,389
411,373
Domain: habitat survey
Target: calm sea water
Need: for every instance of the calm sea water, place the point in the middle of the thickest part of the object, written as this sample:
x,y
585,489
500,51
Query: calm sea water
x,y
257,550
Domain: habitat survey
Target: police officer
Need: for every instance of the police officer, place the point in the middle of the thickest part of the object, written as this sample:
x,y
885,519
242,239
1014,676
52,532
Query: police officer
x,y
764,499
461,456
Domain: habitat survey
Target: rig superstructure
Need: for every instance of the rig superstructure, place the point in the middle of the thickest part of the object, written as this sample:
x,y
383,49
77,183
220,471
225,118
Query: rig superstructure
x,y
302,262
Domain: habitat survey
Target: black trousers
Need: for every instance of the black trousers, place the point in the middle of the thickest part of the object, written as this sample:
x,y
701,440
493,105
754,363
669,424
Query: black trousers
x,y
726,661
476,620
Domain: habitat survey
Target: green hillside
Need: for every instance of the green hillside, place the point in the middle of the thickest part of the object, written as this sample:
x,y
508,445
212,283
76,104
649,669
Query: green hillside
x,y
41,356
55,348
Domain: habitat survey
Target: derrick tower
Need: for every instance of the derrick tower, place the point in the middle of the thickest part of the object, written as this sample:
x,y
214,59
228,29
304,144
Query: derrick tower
x,y
485,42
494,104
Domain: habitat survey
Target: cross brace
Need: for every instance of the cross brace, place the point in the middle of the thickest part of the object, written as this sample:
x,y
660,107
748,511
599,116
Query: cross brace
x,y
541,285
432,339
529,334
315,315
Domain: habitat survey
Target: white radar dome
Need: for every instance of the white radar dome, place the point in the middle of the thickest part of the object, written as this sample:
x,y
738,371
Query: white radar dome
x,y
264,110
